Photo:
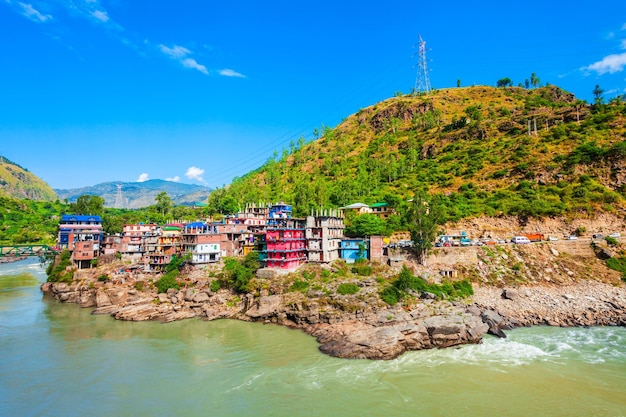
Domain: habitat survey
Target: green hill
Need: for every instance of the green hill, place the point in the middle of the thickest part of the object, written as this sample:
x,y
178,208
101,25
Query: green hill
x,y
18,182
482,150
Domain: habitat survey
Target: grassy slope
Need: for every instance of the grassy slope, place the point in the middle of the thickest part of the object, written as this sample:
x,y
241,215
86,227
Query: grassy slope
x,y
17,182
470,145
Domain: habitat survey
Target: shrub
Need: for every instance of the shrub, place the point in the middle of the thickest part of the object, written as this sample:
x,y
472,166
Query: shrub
x,y
103,278
347,288
361,269
299,285
168,281
618,264
611,241
215,285
391,295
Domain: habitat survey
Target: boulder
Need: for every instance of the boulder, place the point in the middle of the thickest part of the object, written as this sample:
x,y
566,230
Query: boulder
x,y
200,297
265,307
102,299
510,294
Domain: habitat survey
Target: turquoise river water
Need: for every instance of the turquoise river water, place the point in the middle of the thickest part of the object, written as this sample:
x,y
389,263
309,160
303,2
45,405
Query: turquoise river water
x,y
58,360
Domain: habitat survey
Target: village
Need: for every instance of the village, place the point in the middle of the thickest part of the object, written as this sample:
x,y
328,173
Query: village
x,y
283,242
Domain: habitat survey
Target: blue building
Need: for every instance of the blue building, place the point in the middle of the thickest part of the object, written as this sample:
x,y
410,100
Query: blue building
x,y
79,228
353,249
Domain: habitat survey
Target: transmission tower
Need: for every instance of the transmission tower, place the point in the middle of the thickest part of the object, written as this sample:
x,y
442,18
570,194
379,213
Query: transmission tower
x,y
422,82
119,201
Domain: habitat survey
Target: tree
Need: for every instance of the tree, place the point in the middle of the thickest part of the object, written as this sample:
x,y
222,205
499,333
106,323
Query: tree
x,y
163,203
534,80
504,82
458,83
88,205
597,95
423,217
366,225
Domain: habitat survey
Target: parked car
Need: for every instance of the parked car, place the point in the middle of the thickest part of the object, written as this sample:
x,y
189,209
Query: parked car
x,y
597,236
615,235
553,238
518,240
571,237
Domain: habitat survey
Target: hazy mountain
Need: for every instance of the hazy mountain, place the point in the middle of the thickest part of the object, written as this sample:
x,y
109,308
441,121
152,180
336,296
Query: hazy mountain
x,y
18,182
140,194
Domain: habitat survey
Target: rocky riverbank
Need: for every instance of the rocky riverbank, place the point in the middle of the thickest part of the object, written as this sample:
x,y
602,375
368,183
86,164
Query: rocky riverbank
x,y
357,326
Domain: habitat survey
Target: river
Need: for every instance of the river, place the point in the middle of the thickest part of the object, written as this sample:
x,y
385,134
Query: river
x,y
59,360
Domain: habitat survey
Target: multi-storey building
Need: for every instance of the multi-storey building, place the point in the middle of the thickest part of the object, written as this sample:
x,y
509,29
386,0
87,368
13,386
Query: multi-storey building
x,y
324,233
169,243
381,210
202,241
78,228
81,235
285,238
134,240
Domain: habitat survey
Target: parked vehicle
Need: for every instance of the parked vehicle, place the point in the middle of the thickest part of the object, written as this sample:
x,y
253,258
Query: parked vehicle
x,y
597,236
534,237
518,240
571,237
615,235
553,238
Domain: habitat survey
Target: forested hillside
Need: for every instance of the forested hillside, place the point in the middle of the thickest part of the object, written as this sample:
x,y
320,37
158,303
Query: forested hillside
x,y
481,150
18,182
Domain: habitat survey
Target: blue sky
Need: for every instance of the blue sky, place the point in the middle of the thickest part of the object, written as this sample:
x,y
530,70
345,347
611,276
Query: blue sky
x,y
202,91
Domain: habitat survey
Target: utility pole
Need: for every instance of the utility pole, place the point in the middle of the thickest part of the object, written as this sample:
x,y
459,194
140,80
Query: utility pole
x,y
119,201
422,81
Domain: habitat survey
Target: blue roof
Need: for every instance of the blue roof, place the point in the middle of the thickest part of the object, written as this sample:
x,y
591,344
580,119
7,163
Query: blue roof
x,y
197,225
80,217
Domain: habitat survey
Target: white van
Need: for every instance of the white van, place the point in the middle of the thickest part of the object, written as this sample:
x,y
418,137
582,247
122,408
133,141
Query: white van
x,y
520,239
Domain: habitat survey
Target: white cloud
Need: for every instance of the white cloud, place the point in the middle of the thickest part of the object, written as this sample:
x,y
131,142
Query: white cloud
x,y
227,72
143,177
180,53
611,64
194,173
177,52
100,15
191,63
30,12
174,179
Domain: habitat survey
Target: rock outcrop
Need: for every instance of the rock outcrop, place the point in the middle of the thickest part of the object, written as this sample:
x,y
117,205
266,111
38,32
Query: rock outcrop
x,y
348,326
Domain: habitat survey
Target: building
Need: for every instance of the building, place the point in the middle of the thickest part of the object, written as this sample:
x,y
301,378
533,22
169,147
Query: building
x,y
136,239
78,228
169,244
202,241
285,239
324,233
382,210
356,208
353,249
81,235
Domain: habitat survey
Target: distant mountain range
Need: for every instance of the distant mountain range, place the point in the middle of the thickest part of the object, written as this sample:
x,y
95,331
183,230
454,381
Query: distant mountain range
x,y
139,194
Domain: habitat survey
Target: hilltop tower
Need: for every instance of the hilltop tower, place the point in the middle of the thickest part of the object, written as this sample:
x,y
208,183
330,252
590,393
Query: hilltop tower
x,y
119,200
422,81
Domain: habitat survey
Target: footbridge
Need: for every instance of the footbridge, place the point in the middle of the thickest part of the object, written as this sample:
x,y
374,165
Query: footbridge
x,y
18,251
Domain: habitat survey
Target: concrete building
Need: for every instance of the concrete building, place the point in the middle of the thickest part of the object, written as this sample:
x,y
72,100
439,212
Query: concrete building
x,y
324,233
202,242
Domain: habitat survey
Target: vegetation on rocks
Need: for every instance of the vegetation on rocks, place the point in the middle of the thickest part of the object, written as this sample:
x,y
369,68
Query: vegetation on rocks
x,y
58,269
406,283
